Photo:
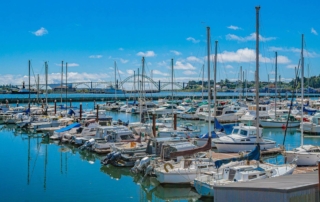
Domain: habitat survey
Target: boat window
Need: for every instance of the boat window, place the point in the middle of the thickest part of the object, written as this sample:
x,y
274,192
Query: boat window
x,y
243,132
232,173
262,174
252,177
125,137
235,131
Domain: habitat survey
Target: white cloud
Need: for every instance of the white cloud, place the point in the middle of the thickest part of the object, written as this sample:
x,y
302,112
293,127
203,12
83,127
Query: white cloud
x,y
56,78
162,63
124,61
189,72
95,56
130,71
193,59
251,37
295,50
121,49
229,67
233,27
272,72
40,32
184,66
247,55
176,52
313,31
291,66
159,73
120,72
69,64
193,40
146,54
73,65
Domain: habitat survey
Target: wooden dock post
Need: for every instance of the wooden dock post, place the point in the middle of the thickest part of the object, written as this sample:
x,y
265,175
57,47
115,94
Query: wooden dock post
x,y
154,124
97,119
55,107
80,111
175,121
319,179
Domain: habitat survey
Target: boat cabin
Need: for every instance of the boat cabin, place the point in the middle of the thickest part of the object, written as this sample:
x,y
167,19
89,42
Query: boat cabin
x,y
246,131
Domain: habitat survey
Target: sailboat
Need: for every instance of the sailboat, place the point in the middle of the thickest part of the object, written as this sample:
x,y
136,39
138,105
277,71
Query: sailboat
x,y
244,138
279,122
186,169
307,154
205,183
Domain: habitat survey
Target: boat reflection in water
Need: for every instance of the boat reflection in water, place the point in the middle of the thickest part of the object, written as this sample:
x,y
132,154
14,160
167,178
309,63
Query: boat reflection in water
x,y
151,188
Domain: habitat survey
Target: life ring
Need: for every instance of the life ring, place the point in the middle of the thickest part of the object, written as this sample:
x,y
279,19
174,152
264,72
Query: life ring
x,y
165,166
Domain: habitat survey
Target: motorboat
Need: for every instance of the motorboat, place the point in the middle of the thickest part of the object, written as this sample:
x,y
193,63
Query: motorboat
x,y
307,155
280,122
312,127
249,118
204,184
243,138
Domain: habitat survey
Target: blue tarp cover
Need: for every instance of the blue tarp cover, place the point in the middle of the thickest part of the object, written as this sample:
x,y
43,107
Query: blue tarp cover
x,y
253,155
69,127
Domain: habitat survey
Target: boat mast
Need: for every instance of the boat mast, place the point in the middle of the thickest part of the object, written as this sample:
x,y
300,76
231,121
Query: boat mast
x,y
246,84
115,79
140,101
61,81
240,75
302,89
215,81
172,85
275,97
46,70
257,73
202,79
209,87
38,87
67,87
29,84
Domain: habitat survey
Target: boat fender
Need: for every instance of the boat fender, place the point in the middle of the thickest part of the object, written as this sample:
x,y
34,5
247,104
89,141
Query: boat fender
x,y
165,166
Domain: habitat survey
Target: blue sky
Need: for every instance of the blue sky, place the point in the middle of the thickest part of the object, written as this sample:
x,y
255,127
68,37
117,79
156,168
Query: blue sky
x,y
90,36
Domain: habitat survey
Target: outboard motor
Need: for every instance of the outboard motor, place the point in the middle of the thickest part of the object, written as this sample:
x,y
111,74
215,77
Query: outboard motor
x,y
87,144
134,168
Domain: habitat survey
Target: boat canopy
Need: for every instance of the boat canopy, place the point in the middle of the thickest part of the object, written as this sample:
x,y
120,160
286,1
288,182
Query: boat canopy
x,y
69,127
253,155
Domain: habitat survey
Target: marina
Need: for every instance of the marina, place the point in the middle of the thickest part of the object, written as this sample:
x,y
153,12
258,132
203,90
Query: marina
x,y
40,159
145,101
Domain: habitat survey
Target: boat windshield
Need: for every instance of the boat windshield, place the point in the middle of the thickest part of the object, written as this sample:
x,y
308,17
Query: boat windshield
x,y
235,131
126,137
244,133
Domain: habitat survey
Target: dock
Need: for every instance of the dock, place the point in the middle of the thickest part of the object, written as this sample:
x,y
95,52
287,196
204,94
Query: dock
x,y
264,153
293,188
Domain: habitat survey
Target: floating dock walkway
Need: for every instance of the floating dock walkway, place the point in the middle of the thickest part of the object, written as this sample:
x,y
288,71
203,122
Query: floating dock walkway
x,y
291,188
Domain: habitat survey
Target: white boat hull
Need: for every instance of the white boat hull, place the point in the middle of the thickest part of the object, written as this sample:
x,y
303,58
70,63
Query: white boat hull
x,y
279,124
237,147
309,127
305,159
181,177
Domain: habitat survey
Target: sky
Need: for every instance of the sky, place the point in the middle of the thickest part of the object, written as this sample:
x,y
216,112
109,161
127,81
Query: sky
x,y
92,36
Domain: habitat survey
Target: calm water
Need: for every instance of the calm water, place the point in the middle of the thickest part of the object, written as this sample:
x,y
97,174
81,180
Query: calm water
x,y
33,169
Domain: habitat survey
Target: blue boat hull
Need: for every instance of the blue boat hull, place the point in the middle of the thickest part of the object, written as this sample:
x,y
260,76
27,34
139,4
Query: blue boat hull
x,y
203,189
